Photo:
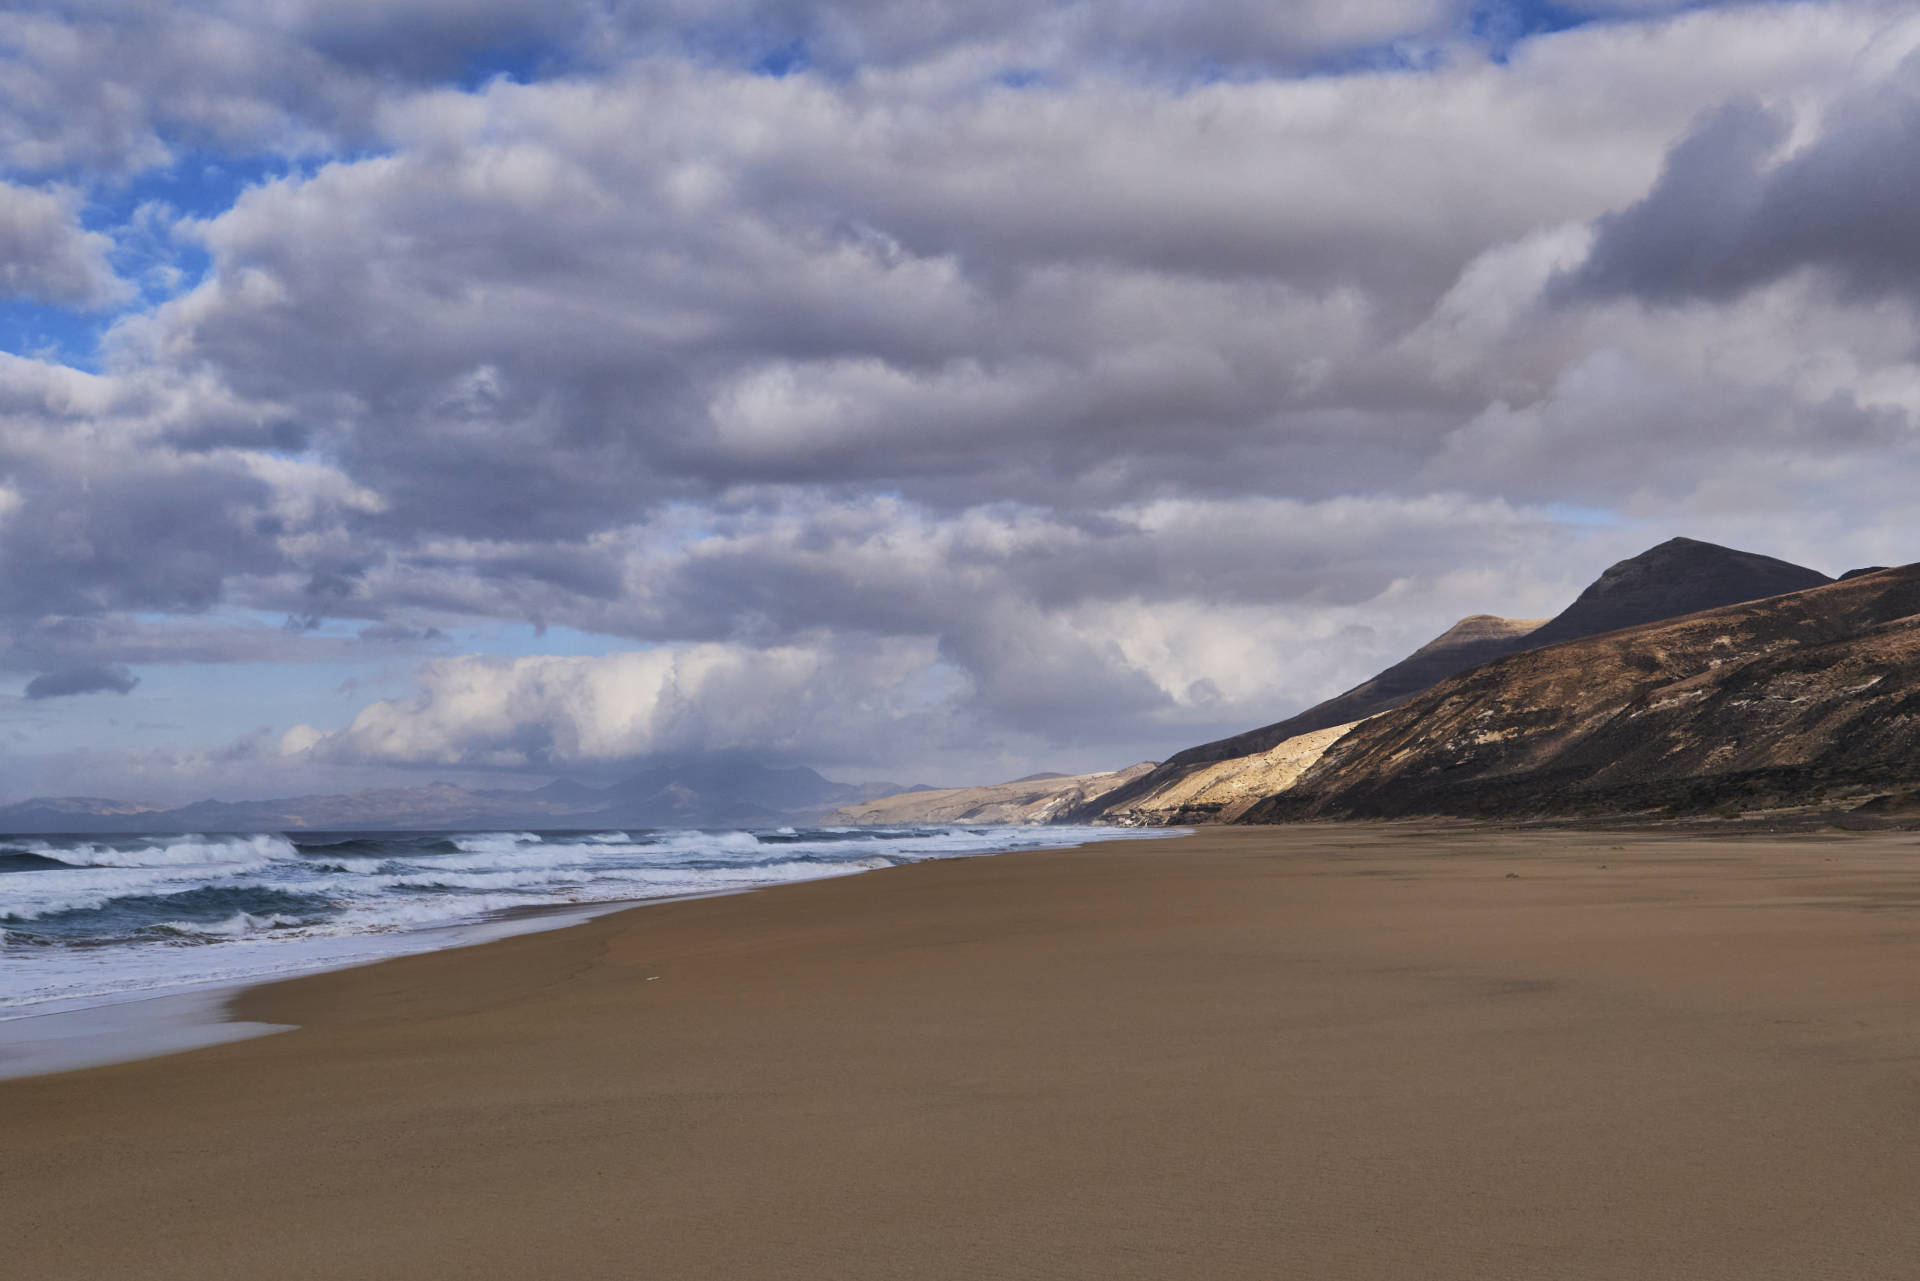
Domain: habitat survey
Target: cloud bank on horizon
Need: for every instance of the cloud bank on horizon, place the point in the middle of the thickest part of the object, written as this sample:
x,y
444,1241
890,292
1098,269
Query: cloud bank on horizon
x,y
934,390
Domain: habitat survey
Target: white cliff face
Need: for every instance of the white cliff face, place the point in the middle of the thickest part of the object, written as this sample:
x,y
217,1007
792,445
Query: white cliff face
x,y
1224,790
1217,793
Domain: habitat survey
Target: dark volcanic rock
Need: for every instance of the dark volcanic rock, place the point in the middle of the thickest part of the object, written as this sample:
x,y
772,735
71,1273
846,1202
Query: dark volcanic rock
x,y
1680,576
1773,702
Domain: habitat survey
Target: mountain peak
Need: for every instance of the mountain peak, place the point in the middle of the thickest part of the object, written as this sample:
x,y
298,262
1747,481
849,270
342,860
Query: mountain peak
x,y
1679,576
1475,628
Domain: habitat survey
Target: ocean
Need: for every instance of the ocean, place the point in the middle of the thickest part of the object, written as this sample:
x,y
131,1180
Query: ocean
x,y
96,920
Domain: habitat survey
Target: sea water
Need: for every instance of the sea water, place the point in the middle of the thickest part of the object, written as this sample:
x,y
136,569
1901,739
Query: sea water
x,y
88,921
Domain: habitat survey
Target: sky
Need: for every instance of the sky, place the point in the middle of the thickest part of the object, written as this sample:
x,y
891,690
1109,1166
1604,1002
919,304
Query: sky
x,y
501,390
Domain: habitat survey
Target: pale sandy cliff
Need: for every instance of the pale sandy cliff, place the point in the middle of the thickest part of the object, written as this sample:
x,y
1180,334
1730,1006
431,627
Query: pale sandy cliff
x,y
1028,800
1224,790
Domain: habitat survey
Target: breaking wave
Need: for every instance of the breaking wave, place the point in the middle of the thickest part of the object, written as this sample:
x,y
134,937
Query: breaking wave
x,y
91,919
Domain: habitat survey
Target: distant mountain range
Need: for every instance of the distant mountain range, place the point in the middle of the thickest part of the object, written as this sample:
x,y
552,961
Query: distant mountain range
x,y
724,790
1689,679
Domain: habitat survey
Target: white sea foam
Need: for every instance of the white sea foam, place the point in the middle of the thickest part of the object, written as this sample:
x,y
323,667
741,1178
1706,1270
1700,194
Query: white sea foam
x,y
201,910
497,841
433,878
532,857
42,894
238,925
180,851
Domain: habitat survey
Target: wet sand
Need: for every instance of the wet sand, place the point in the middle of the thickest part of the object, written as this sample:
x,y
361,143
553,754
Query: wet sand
x,y
1329,1052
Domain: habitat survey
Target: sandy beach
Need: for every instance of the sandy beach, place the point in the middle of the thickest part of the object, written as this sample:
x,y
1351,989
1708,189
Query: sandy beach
x,y
1370,1051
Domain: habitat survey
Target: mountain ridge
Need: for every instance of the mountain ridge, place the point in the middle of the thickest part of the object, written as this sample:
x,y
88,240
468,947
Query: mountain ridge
x,y
1773,702
1678,576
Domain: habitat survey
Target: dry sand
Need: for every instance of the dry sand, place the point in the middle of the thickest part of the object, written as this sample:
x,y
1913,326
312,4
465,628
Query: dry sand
x,y
1354,1052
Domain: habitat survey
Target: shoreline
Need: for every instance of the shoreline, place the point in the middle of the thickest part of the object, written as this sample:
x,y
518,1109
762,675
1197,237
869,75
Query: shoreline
x,y
1400,1051
69,1033
174,1020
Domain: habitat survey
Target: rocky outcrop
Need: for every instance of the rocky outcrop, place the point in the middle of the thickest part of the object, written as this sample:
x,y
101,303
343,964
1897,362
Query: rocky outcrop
x,y
1036,799
1807,698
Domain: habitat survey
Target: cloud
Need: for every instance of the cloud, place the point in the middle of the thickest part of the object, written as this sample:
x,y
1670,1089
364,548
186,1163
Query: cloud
x,y
82,680
122,86
1744,201
998,386
46,256
888,634
601,294
550,711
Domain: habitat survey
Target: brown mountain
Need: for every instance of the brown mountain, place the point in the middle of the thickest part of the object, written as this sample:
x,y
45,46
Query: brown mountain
x,y
1793,700
1680,576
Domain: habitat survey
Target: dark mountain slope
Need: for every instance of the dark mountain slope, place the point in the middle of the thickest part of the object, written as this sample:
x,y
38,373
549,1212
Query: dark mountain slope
x,y
1468,643
1476,639
1771,702
1679,576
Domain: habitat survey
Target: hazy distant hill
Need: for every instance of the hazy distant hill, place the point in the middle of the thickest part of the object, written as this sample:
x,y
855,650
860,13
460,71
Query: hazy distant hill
x,y
1798,699
395,808
723,790
1680,576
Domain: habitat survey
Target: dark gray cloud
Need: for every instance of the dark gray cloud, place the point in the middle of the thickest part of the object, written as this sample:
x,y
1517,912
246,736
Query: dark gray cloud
x,y
82,680
1740,205
587,302
400,634
56,641
119,86
99,520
